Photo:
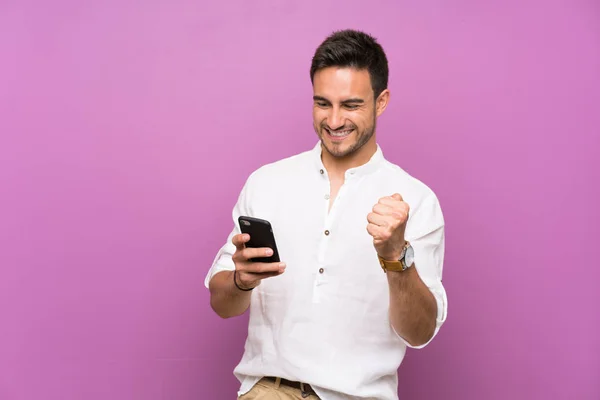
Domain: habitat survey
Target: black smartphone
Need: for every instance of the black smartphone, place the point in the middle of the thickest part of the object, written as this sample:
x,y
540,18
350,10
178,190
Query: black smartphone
x,y
261,235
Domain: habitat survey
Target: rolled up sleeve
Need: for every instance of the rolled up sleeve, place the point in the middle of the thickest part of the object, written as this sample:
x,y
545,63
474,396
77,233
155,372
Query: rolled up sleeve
x,y
426,234
223,260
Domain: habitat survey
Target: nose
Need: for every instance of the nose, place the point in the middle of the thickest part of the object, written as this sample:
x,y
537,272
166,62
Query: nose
x,y
335,119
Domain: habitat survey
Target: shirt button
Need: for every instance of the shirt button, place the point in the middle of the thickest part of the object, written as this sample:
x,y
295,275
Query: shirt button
x,y
321,270
326,197
321,171
326,233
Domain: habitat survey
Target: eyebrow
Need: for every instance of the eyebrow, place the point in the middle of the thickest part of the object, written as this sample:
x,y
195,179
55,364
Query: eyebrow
x,y
348,101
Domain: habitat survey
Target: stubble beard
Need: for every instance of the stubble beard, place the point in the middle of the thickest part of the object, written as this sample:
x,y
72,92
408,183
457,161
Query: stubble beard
x,y
362,139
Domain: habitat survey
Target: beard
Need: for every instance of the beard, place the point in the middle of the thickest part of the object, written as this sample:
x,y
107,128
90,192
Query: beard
x,y
342,150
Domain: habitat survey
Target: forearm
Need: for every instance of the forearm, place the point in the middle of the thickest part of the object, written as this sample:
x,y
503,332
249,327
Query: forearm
x,y
413,309
225,298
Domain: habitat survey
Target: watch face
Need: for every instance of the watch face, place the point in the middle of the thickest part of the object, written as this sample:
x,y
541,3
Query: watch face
x,y
409,257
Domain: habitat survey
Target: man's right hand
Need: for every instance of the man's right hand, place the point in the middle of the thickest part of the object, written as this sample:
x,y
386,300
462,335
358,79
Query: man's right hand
x,y
249,273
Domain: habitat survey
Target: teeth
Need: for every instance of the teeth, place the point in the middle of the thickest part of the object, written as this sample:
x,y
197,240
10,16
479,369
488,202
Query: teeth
x,y
339,134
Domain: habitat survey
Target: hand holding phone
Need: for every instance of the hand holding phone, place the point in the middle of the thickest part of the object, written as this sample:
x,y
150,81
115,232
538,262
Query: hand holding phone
x,y
256,256
261,235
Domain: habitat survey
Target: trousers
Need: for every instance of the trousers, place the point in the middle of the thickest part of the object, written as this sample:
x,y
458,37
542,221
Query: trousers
x,y
266,389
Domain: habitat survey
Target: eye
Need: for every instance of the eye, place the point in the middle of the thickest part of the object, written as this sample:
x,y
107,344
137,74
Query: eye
x,y
351,106
321,104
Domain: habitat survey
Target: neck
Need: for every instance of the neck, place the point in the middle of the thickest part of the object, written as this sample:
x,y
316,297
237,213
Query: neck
x,y
337,166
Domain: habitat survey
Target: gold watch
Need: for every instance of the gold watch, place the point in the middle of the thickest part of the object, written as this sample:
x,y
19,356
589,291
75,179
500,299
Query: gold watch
x,y
406,260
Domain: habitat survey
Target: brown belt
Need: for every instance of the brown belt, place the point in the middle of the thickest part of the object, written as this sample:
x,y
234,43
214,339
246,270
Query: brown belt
x,y
306,389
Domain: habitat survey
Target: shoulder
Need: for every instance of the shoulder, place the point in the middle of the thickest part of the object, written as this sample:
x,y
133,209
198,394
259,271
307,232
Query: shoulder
x,y
421,198
284,168
416,187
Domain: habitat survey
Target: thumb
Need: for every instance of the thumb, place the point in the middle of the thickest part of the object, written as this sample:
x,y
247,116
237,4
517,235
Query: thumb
x,y
396,196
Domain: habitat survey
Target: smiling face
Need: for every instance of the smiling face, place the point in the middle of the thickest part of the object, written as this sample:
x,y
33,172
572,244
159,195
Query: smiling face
x,y
345,112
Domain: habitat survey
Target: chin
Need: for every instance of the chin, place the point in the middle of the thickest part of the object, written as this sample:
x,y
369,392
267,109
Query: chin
x,y
339,149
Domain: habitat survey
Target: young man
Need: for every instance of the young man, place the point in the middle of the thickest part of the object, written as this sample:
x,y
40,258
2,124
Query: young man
x,y
361,242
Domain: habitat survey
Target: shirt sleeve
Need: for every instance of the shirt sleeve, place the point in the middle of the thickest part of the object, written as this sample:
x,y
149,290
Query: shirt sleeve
x,y
223,260
427,237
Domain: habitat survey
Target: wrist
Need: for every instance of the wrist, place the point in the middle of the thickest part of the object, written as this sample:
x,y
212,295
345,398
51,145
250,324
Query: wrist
x,y
393,255
397,262
390,256
238,284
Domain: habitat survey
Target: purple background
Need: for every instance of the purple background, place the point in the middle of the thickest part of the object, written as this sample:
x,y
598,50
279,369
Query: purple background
x,y
127,129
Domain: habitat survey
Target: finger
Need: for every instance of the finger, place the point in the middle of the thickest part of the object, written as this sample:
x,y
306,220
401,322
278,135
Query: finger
x,y
398,208
251,252
239,240
374,230
378,219
247,253
378,233
390,201
382,209
260,268
399,214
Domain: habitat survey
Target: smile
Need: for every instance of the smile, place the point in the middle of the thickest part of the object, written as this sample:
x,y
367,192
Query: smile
x,y
339,134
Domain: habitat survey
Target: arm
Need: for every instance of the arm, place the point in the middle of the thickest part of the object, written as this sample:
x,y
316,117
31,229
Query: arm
x,y
225,298
413,307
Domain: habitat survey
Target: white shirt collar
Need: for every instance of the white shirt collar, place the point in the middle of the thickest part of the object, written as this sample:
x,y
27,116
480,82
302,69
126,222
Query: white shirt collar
x,y
372,165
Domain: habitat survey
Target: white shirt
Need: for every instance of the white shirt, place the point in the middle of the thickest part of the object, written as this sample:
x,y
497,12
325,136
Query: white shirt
x,y
325,320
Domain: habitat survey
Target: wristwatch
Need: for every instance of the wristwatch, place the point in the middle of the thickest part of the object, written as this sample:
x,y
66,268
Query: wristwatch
x,y
406,260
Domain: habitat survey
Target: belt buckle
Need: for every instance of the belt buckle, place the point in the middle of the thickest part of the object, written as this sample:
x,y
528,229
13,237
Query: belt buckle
x,y
305,394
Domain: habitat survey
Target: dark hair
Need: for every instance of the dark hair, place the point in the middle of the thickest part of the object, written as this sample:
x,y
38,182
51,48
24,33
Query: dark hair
x,y
350,48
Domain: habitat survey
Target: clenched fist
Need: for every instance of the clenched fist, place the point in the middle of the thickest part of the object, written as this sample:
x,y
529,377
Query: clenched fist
x,y
387,224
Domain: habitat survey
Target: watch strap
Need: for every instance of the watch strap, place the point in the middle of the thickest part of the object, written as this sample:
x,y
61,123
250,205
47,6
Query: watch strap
x,y
396,265
387,265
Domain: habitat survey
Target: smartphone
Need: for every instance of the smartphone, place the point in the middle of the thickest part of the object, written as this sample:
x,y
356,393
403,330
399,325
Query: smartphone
x,y
261,235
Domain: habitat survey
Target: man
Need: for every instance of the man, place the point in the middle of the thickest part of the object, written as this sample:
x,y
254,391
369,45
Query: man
x,y
361,242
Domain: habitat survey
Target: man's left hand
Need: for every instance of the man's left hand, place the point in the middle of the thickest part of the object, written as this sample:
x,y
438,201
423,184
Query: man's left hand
x,y
387,224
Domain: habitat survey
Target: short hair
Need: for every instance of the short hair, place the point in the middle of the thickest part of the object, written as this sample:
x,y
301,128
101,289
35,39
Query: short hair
x,y
355,49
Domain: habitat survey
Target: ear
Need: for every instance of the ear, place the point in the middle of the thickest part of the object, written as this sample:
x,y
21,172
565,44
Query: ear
x,y
382,102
